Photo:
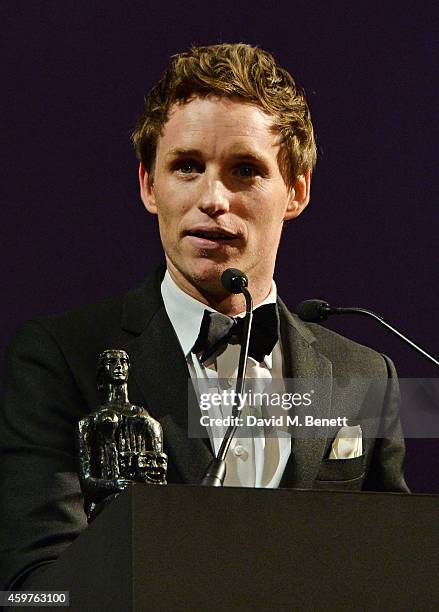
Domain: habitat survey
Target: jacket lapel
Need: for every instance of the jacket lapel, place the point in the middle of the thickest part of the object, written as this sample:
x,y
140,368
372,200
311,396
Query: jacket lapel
x,y
159,377
303,361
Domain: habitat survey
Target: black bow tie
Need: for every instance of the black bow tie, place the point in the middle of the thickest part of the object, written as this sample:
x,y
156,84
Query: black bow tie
x,y
217,330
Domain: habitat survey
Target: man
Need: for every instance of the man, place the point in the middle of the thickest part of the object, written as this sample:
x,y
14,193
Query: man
x,y
226,150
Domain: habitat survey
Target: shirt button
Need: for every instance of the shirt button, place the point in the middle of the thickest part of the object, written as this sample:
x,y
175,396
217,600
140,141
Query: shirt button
x,y
239,450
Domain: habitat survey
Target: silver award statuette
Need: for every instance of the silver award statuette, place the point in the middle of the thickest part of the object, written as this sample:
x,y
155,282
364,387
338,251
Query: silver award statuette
x,y
119,443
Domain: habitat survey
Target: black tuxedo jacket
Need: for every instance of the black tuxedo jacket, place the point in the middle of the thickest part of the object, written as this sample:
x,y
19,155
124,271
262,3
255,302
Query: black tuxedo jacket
x,y
50,385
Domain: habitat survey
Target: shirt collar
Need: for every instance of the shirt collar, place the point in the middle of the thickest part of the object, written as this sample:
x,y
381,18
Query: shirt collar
x,y
187,327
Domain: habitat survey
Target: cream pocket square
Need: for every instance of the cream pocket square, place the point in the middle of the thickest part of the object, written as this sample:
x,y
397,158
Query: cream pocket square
x,y
348,443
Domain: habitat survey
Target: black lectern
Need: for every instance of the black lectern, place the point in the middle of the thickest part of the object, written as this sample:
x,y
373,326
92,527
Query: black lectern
x,y
181,547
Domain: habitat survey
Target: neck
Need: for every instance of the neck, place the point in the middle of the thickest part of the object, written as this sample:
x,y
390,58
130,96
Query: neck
x,y
117,394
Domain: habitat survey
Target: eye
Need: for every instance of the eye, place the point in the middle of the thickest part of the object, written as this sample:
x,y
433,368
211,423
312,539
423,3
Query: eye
x,y
187,166
246,171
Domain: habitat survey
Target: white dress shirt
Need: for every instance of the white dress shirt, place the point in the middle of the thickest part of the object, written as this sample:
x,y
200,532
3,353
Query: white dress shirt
x,y
256,461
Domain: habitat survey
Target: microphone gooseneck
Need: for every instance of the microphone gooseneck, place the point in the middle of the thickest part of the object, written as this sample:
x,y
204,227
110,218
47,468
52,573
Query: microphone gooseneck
x,y
316,311
234,281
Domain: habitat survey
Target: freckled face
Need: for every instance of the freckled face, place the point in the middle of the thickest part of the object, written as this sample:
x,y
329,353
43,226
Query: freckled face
x,y
218,192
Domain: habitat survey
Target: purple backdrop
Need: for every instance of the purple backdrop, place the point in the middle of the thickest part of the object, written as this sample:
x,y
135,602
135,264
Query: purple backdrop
x,y
73,229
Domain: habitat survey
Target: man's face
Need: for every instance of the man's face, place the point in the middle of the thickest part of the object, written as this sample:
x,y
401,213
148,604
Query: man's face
x,y
218,192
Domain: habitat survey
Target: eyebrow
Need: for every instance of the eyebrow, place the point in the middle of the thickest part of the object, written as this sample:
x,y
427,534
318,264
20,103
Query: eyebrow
x,y
251,155
179,152
245,154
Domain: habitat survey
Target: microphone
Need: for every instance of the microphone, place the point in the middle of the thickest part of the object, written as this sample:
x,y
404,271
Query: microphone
x,y
234,281
315,311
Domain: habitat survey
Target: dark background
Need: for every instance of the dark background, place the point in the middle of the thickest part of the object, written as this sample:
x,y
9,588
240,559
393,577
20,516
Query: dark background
x,y
73,230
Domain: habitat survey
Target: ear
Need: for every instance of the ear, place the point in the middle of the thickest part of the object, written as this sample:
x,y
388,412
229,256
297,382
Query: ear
x,y
298,196
147,190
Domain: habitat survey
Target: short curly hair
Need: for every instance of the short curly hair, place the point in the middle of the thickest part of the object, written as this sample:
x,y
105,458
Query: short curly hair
x,y
233,71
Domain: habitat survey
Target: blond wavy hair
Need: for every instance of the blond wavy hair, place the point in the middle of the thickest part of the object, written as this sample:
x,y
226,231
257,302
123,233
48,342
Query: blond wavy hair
x,y
233,71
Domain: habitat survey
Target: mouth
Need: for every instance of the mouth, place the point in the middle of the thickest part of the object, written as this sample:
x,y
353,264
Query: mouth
x,y
210,237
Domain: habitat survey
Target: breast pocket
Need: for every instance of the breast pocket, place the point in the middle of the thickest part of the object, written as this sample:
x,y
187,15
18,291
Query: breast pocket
x,y
341,474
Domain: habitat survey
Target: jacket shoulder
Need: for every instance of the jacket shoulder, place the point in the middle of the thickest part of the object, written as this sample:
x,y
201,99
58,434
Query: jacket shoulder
x,y
346,355
79,335
88,318
98,319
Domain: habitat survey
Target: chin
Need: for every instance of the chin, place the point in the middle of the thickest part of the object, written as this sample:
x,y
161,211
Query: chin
x,y
206,274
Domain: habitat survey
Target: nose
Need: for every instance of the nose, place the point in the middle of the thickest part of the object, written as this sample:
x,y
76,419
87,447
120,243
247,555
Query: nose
x,y
214,197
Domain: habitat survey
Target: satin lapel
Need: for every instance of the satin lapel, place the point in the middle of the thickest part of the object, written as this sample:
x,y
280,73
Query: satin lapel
x,y
303,361
158,370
